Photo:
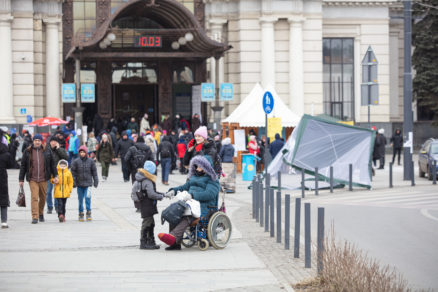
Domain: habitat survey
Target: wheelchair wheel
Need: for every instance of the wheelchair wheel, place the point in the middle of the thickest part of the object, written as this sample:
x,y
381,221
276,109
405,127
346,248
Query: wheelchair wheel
x,y
219,230
203,244
188,239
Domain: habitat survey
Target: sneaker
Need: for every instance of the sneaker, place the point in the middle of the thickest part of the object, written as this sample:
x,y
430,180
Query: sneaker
x,y
61,218
175,246
49,210
34,221
103,178
88,215
81,217
5,225
41,218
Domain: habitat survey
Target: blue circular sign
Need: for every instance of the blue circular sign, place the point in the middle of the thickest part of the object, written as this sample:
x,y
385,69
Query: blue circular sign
x,y
268,102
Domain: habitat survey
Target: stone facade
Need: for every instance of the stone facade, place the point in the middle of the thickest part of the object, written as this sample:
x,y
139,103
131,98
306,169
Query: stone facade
x,y
280,42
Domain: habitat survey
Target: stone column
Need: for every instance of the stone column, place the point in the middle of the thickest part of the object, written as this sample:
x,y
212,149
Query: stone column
x,y
53,87
217,25
268,51
296,72
6,86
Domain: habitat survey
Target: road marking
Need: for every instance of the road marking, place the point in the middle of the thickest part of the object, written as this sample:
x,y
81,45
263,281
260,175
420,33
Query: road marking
x,y
425,213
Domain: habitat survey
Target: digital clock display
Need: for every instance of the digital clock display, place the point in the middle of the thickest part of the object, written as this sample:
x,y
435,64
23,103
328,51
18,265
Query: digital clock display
x,y
146,41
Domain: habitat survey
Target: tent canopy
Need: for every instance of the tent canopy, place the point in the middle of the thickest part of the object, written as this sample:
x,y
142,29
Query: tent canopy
x,y
321,143
250,112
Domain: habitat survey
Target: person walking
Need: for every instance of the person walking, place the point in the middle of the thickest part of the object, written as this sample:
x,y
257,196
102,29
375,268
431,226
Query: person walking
x,y
92,145
276,146
122,148
37,166
73,146
58,153
196,122
165,154
381,143
5,163
144,125
105,155
63,188
228,167
84,173
181,148
397,145
133,126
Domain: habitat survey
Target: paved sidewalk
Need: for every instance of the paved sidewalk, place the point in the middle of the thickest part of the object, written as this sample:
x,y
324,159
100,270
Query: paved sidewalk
x,y
104,255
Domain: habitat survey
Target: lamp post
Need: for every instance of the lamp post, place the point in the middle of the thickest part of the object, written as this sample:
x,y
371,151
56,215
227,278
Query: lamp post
x,y
78,109
407,93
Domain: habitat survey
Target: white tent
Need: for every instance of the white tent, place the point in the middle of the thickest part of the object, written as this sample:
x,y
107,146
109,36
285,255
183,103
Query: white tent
x,y
250,112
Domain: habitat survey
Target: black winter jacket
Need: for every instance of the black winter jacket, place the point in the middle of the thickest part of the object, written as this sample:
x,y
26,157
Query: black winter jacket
x,y
208,148
84,172
123,146
397,141
227,153
276,146
59,154
5,163
135,150
26,164
165,149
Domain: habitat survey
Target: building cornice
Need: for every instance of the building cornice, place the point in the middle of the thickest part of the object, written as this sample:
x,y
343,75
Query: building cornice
x,y
359,2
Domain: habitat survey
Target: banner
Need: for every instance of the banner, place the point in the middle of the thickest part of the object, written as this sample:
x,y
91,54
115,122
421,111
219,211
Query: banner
x,y
274,127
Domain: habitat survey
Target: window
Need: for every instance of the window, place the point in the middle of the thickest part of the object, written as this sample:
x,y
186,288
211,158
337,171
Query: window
x,y
338,77
84,17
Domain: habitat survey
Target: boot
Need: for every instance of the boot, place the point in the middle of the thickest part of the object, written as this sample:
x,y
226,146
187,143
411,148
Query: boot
x,y
81,217
143,244
175,246
88,215
143,238
41,218
151,238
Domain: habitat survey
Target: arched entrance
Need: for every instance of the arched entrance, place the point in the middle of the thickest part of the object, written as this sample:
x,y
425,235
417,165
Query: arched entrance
x,y
147,56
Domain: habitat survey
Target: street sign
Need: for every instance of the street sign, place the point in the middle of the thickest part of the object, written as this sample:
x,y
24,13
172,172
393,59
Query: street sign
x,y
268,102
207,92
370,86
87,92
29,119
68,93
23,110
226,91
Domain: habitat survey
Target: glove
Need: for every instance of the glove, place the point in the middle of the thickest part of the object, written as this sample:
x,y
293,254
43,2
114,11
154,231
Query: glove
x,y
184,196
191,143
169,194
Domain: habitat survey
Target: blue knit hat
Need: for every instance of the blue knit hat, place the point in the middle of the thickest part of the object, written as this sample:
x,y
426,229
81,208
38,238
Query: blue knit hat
x,y
38,137
150,167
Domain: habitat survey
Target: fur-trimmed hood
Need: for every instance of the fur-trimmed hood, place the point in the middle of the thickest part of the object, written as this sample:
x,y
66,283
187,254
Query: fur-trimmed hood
x,y
205,163
142,174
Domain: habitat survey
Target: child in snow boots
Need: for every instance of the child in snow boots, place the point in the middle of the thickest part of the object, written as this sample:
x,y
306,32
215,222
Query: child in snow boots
x,y
144,191
63,188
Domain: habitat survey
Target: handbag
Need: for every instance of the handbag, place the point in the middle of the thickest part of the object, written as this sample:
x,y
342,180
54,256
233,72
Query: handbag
x,y
173,213
21,199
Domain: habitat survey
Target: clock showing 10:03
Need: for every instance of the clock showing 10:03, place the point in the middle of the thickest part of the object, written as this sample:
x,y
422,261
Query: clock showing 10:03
x,y
146,41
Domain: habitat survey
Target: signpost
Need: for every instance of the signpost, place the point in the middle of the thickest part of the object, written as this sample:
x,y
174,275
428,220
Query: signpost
x,y
268,106
369,87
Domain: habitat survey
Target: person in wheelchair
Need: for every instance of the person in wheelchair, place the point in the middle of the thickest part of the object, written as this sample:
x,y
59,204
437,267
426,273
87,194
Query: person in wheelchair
x,y
202,186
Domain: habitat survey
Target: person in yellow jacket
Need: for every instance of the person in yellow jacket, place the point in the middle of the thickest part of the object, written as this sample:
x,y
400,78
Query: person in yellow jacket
x,y
63,188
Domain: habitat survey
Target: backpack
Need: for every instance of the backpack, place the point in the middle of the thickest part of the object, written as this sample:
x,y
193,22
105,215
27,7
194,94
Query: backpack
x,y
138,159
173,213
165,152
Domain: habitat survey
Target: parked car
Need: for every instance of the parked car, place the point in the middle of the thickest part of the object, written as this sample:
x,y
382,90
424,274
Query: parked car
x,y
428,153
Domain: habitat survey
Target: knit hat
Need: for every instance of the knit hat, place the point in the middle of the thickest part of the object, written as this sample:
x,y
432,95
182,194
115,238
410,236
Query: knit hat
x,y
83,148
150,167
202,131
382,131
38,137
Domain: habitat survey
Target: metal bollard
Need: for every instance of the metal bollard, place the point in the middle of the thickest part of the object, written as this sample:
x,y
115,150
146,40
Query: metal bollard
x,y
302,184
279,217
279,180
412,174
331,179
350,177
434,172
257,199
320,250
316,181
307,255
287,222
390,174
297,227
261,218
267,196
254,191
271,213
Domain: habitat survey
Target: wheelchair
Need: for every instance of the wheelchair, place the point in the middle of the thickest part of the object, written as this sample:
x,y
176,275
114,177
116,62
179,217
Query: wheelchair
x,y
214,229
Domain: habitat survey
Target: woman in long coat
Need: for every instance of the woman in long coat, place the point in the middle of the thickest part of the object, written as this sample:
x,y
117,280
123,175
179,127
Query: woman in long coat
x,y
105,155
5,163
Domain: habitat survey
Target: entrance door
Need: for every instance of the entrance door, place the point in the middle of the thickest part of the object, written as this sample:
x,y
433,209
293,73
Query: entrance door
x,y
134,100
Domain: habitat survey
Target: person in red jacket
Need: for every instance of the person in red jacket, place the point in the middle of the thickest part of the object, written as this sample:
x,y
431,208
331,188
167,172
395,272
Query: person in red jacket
x,y
181,148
